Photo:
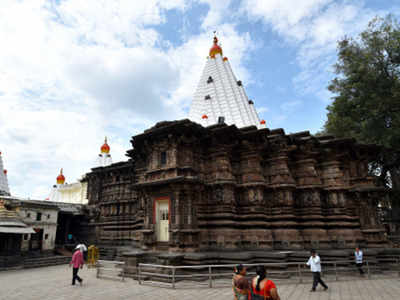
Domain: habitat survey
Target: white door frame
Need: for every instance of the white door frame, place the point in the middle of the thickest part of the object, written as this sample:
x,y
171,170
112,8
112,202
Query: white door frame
x,y
162,215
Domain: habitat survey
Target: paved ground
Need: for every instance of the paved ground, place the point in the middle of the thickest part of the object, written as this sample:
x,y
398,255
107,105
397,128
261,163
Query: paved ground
x,y
54,283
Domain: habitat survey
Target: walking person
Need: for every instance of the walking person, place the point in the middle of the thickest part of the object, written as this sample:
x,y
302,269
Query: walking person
x,y
240,285
358,255
314,263
263,288
76,262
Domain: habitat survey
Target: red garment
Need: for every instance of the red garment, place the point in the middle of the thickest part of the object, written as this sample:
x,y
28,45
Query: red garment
x,y
265,289
77,259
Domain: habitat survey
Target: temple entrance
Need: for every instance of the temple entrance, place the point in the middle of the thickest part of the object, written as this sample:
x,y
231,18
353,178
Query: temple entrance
x,y
162,220
36,240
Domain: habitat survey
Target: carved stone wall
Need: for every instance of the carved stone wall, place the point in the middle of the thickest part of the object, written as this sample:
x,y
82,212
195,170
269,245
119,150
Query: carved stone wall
x,y
239,189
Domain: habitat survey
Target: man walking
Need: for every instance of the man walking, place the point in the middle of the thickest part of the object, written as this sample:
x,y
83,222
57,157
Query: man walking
x,y
358,255
315,265
77,262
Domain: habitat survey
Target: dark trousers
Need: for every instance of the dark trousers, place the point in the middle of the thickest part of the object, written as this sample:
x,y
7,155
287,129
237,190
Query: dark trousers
x,y
317,279
75,276
359,267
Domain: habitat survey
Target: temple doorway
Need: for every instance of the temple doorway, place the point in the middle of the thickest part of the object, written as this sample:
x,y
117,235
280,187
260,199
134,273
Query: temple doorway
x,y
35,243
162,220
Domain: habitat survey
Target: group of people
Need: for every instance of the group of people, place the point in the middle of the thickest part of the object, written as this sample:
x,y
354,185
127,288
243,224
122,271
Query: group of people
x,y
262,288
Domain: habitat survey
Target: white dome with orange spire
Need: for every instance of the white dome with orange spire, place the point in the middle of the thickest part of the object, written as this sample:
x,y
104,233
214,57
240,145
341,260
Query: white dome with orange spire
x,y
104,158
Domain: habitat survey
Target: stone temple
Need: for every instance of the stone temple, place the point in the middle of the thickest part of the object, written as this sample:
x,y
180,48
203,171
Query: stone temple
x,y
223,181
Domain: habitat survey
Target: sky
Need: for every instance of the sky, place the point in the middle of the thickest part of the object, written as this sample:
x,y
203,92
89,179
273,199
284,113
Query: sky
x,y
73,71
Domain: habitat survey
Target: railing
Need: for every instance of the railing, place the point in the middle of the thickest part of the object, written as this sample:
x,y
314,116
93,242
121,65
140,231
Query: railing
x,y
207,274
110,269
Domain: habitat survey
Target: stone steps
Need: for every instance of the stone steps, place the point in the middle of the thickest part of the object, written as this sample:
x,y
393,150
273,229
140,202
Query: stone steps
x,y
46,261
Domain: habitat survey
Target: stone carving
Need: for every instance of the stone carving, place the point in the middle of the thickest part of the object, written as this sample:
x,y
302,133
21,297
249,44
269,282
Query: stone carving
x,y
242,188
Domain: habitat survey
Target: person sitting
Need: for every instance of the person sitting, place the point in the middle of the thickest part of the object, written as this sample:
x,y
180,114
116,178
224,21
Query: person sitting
x,y
263,288
240,285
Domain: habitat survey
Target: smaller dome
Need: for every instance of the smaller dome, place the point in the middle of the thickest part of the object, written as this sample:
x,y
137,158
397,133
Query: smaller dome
x,y
262,122
105,148
60,178
215,49
204,117
225,58
5,172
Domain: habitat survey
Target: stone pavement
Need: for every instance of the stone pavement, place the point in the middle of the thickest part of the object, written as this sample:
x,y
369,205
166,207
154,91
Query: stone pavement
x,y
54,283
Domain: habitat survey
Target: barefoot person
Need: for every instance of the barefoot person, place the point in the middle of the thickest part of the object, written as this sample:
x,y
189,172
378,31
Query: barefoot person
x,y
76,263
315,265
263,288
240,285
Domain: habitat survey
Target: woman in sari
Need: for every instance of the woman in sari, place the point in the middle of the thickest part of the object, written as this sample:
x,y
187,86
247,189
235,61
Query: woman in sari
x,y
262,288
240,285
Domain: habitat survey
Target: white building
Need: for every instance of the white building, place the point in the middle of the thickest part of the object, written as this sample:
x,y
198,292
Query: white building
x,y
76,193
220,96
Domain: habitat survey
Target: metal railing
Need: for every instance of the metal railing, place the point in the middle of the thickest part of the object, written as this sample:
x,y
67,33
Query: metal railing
x,y
207,274
110,269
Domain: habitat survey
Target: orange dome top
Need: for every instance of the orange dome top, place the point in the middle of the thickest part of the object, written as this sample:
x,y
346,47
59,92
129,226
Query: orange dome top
x,y
60,178
5,172
215,49
105,148
262,122
204,117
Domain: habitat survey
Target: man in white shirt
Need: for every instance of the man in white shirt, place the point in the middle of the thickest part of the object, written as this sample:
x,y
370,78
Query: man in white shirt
x,y
358,255
314,263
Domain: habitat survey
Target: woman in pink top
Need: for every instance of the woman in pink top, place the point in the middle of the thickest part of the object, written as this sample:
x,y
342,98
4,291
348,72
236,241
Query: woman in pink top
x,y
76,262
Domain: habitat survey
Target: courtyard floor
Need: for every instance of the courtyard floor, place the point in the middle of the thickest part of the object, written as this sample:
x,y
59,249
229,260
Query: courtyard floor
x,y
54,283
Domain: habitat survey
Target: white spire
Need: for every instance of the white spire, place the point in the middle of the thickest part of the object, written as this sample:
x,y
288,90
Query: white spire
x,y
104,158
220,94
4,189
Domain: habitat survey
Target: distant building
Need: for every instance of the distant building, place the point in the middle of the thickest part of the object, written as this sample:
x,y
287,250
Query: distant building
x,y
76,193
41,216
4,189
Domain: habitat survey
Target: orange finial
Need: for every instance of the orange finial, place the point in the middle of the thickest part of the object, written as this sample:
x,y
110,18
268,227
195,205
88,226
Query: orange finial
x,y
60,178
105,148
215,49
204,117
262,122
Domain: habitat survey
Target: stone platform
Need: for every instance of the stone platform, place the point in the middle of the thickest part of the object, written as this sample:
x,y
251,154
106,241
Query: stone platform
x,y
54,283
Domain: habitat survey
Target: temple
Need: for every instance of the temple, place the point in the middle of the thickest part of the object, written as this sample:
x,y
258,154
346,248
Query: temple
x,y
223,181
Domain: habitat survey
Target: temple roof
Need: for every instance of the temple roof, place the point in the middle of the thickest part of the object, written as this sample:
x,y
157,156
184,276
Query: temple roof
x,y
11,222
220,94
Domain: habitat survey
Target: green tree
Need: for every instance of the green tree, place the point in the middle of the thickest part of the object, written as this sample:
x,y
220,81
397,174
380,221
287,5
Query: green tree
x,y
366,104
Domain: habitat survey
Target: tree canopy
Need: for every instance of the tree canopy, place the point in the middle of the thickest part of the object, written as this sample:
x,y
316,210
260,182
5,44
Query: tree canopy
x,y
366,104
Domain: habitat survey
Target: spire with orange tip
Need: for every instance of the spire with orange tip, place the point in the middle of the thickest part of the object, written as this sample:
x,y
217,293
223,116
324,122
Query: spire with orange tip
x,y
215,49
105,148
60,178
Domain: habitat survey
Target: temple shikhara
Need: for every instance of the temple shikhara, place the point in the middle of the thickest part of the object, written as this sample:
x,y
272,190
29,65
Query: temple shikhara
x,y
221,180
4,189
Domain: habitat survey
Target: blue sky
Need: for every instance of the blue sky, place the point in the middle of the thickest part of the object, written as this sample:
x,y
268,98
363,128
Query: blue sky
x,y
72,71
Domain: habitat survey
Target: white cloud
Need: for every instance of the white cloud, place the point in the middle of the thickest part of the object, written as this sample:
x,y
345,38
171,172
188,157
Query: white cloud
x,y
313,27
74,71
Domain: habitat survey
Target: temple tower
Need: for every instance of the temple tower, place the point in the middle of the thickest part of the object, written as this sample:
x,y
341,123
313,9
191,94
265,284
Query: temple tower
x,y
4,189
220,94
104,158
